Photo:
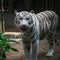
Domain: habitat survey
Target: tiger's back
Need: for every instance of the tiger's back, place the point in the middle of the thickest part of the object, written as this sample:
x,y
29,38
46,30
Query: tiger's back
x,y
47,22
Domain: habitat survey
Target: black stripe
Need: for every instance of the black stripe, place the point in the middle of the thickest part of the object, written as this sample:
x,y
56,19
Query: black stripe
x,y
33,30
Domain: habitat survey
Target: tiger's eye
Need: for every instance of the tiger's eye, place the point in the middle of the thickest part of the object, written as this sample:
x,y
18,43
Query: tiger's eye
x,y
17,22
27,18
20,18
30,22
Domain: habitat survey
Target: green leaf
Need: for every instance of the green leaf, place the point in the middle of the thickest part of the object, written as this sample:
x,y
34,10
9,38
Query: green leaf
x,y
2,55
13,41
57,58
4,44
7,47
14,49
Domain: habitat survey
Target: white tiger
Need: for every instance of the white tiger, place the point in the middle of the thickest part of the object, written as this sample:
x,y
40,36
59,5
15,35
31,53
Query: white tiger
x,y
35,27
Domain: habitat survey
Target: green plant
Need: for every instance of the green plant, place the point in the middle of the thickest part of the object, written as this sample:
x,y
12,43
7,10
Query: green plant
x,y
57,58
4,46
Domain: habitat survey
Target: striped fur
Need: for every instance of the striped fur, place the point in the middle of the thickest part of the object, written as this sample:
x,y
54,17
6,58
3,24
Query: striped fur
x,y
39,26
48,22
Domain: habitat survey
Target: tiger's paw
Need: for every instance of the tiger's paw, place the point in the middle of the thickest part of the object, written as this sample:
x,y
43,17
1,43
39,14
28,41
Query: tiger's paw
x,y
50,53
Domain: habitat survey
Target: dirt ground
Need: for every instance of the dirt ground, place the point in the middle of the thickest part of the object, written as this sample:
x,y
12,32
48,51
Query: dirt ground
x,y
11,55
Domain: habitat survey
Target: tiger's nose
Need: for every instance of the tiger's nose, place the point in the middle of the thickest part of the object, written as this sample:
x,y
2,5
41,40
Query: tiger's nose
x,y
23,26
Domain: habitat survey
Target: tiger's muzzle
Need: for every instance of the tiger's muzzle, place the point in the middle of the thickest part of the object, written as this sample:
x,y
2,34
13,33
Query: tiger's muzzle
x,y
24,28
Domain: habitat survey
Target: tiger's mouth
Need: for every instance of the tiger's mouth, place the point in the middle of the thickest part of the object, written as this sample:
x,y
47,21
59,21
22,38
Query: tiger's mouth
x,y
23,29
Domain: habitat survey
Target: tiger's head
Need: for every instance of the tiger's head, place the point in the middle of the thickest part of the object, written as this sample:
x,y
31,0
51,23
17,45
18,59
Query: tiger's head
x,y
24,20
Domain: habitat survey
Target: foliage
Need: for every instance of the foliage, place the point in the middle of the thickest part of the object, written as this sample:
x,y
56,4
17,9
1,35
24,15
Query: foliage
x,y
4,46
57,58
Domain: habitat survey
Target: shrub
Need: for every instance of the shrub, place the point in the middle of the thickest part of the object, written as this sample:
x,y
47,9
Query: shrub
x,y
57,58
4,46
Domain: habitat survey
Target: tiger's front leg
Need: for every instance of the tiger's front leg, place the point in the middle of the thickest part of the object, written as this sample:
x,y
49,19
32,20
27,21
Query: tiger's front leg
x,y
26,47
35,46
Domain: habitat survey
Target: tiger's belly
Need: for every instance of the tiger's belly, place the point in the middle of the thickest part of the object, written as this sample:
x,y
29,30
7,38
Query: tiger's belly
x,y
44,35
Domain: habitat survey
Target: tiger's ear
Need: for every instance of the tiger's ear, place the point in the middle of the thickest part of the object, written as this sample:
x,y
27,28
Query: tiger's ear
x,y
16,12
32,11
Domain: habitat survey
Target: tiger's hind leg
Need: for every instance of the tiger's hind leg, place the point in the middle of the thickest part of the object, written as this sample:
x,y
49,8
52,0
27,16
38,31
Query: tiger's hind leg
x,y
50,39
57,40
